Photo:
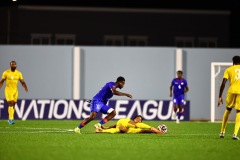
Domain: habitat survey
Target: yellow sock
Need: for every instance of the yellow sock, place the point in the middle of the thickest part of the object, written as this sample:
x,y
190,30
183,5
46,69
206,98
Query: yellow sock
x,y
10,112
237,123
111,130
224,121
143,126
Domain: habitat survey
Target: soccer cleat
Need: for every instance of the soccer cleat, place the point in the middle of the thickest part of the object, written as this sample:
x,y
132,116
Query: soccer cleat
x,y
235,137
177,121
98,126
11,121
77,130
221,135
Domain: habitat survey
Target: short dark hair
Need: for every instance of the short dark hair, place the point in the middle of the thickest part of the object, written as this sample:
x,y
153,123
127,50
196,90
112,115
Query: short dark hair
x,y
179,71
236,60
12,62
138,116
120,79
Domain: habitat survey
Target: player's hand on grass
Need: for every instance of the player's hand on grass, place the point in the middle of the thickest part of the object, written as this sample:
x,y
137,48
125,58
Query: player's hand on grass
x,y
220,101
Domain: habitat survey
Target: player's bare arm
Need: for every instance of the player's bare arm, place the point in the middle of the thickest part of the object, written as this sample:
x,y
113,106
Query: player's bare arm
x,y
186,89
24,85
108,127
1,83
171,87
220,101
118,93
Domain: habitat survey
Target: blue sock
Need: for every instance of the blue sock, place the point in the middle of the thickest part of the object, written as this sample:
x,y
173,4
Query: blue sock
x,y
81,125
179,114
103,121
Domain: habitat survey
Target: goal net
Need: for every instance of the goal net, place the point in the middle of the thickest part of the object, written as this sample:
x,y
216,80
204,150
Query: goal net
x,y
217,71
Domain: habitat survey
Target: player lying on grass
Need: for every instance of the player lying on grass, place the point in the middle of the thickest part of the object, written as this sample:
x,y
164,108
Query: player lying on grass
x,y
126,125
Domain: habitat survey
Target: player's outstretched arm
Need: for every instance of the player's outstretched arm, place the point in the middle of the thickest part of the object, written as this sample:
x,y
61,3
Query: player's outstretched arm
x,y
108,127
24,85
1,83
118,93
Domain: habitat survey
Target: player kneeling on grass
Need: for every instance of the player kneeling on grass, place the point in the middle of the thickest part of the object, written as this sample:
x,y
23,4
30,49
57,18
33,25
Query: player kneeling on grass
x,y
126,125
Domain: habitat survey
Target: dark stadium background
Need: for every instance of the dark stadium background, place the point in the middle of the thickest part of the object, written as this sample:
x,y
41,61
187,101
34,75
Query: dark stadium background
x,y
217,5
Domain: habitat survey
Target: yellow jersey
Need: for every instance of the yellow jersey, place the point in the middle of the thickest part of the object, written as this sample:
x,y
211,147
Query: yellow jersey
x,y
123,122
12,79
233,75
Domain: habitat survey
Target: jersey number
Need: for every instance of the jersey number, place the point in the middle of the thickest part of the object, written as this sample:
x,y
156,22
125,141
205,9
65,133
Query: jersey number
x,y
238,74
179,86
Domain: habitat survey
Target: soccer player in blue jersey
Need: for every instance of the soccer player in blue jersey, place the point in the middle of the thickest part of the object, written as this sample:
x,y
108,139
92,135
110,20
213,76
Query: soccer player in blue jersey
x,y
178,88
99,103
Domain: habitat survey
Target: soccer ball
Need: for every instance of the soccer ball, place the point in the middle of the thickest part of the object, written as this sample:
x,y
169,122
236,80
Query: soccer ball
x,y
162,128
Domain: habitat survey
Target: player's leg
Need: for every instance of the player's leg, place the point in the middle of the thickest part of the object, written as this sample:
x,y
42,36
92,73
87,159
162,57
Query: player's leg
x,y
94,109
181,103
105,110
175,107
10,100
86,121
237,125
180,112
224,121
237,121
111,130
229,104
11,112
15,97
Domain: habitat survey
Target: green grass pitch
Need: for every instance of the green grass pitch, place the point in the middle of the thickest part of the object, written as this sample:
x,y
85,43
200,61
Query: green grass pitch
x,y
50,140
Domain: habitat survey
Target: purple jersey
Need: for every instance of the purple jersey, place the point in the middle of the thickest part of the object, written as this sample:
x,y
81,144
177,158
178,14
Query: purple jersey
x,y
105,93
178,86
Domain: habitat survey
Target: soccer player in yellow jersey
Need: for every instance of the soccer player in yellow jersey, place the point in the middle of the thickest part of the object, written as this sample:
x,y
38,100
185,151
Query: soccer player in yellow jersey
x,y
233,95
12,76
126,125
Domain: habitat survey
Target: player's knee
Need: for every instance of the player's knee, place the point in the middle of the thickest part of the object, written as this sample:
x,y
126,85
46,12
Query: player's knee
x,y
92,116
112,111
229,109
11,103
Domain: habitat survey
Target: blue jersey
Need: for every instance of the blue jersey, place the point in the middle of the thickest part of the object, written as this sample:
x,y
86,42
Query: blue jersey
x,y
178,86
105,93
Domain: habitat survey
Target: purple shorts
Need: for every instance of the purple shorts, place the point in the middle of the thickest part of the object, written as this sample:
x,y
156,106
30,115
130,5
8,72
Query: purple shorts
x,y
178,100
98,106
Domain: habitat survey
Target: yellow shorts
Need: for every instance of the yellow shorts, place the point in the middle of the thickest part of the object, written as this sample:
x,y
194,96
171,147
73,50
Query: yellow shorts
x,y
11,95
233,101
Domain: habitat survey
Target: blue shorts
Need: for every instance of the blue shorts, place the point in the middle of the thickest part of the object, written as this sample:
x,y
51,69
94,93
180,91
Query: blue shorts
x,y
98,106
178,100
